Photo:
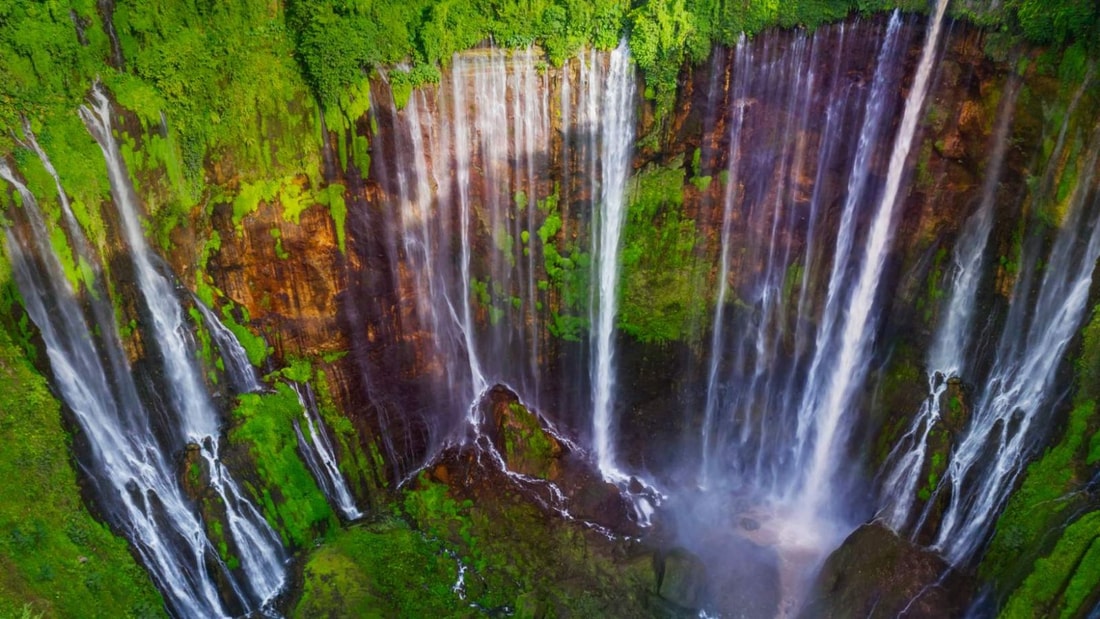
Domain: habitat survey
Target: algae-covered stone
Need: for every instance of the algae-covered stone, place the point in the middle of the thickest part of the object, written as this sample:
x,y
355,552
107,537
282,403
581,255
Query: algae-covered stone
x,y
518,434
875,574
683,579
385,570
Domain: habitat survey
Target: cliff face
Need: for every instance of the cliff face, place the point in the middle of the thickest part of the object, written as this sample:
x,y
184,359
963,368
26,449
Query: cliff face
x,y
448,239
537,176
482,191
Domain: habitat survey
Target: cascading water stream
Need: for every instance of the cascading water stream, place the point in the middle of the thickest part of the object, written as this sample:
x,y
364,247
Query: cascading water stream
x,y
261,554
850,366
320,456
136,485
739,97
241,374
947,355
775,208
617,147
478,219
1016,395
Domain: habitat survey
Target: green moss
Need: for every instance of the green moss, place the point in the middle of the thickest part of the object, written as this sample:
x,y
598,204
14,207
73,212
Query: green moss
x,y
1061,581
254,345
207,354
505,244
55,559
1036,514
567,271
518,557
528,449
662,277
291,500
294,200
928,303
361,469
298,369
384,570
701,182
332,196
936,467
280,253
1035,508
249,198
792,281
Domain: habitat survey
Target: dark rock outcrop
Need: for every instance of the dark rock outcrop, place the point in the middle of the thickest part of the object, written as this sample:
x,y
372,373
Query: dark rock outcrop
x,y
876,574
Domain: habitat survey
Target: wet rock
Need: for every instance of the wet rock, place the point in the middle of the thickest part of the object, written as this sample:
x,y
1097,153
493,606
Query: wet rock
x,y
520,438
955,405
194,474
875,573
529,448
683,579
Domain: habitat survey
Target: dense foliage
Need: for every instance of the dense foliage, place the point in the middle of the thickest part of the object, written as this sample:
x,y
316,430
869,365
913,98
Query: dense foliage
x,y
221,73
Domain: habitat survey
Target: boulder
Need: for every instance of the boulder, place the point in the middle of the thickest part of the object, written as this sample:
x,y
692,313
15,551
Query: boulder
x,y
683,579
876,574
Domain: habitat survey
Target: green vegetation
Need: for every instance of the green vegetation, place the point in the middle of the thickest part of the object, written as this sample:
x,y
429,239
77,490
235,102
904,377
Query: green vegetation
x,y
520,559
1061,582
382,570
1041,502
203,82
207,353
332,196
936,468
254,345
55,559
662,279
929,303
528,449
287,492
223,103
567,271
1041,539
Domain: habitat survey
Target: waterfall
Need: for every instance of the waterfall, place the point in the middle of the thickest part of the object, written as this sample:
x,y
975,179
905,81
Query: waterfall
x,y
850,366
466,171
462,168
905,463
742,62
261,553
617,149
242,376
1015,398
320,456
771,343
137,485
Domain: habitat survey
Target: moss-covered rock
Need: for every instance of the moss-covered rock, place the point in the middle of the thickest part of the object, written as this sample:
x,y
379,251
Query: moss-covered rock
x,y
1066,582
875,573
519,436
382,570
285,489
683,579
522,554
